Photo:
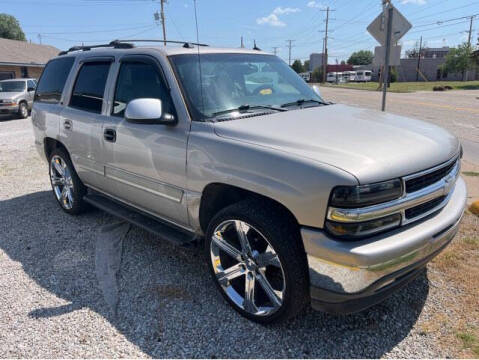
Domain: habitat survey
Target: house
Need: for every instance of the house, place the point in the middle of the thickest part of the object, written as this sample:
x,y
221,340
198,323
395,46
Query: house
x,y
21,59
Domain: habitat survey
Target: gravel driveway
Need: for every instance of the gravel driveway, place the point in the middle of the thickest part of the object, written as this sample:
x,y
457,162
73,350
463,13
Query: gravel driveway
x,y
51,305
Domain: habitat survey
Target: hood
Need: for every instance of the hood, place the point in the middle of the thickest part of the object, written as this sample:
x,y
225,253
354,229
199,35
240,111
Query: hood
x,y
371,145
10,95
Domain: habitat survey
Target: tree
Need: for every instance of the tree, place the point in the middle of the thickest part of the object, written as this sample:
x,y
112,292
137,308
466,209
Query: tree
x,y
458,60
10,28
317,75
361,57
297,66
306,65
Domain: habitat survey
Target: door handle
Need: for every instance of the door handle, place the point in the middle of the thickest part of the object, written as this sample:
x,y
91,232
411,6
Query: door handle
x,y
67,124
109,135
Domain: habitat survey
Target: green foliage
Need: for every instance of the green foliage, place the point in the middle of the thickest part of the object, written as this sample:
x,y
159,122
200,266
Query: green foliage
x,y
306,65
361,57
10,28
458,59
394,74
317,75
297,66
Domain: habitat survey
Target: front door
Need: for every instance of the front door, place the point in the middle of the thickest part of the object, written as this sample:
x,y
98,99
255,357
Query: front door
x,y
146,162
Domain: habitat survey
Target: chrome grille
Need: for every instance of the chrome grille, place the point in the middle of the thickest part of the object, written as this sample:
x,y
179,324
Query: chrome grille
x,y
422,181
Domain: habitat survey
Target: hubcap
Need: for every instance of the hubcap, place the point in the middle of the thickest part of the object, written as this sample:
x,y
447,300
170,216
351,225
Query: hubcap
x,y
24,110
247,267
62,182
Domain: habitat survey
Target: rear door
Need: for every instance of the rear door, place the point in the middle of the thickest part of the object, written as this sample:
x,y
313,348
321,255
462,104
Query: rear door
x,y
82,119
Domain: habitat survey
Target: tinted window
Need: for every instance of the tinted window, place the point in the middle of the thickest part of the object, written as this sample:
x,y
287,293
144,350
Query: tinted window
x,y
139,80
53,80
12,86
90,86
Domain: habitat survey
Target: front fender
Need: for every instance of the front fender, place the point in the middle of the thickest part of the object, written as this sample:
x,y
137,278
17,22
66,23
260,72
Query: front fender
x,y
301,185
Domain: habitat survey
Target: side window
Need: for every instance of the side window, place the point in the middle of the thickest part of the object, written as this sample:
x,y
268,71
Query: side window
x,y
90,87
53,80
139,80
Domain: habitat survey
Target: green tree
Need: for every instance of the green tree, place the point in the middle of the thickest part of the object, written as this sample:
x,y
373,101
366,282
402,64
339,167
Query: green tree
x,y
361,57
458,60
317,75
297,66
306,65
10,28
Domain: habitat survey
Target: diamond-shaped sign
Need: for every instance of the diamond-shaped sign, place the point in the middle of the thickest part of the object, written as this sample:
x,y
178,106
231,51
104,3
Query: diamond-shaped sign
x,y
378,28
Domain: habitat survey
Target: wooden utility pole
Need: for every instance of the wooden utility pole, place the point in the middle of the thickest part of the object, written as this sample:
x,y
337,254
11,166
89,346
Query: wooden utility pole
x,y
242,43
464,74
275,50
325,56
419,59
162,14
289,46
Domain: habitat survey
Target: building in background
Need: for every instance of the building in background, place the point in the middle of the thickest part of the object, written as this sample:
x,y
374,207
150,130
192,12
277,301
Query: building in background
x,y
21,59
315,61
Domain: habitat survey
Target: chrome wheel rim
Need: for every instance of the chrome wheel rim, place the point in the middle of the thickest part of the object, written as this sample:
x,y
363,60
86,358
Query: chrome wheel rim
x,y
62,182
23,110
247,268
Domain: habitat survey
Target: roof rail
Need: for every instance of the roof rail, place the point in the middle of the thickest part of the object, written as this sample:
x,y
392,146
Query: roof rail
x,y
114,44
186,44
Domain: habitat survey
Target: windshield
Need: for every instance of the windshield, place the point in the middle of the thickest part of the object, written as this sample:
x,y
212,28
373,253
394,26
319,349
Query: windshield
x,y
230,81
12,86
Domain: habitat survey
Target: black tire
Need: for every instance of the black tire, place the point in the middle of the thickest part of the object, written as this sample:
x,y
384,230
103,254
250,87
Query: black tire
x,y
282,234
77,205
22,110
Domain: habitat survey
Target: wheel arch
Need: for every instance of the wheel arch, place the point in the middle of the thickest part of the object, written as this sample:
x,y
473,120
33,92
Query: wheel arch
x,y
50,144
216,196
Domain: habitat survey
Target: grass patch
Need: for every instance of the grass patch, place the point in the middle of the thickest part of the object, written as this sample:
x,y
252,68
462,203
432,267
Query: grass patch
x,y
469,341
404,87
470,173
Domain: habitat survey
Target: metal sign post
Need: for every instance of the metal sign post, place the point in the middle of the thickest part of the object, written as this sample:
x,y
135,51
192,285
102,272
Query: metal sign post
x,y
386,57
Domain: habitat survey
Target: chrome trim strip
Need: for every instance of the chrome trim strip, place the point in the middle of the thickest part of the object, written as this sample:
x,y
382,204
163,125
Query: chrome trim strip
x,y
407,201
430,170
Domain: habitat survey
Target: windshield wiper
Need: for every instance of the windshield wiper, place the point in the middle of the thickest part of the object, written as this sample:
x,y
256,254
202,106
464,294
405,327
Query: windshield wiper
x,y
247,107
302,101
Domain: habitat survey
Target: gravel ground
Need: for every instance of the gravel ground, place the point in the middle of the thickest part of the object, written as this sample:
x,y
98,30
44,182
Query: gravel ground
x,y
52,306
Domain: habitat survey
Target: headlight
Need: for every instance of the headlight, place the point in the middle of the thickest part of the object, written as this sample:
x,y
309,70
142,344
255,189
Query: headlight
x,y
355,197
361,229
364,195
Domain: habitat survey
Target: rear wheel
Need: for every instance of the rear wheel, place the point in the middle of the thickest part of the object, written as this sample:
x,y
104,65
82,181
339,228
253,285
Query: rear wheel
x,y
22,110
66,185
257,261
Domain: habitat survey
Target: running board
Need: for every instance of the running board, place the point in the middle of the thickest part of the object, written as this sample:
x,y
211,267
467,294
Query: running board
x,y
162,229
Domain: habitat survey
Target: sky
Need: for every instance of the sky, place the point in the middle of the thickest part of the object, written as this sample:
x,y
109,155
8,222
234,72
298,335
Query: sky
x,y
65,23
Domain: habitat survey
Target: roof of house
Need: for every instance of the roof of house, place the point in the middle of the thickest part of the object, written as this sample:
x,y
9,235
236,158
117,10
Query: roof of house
x,y
25,53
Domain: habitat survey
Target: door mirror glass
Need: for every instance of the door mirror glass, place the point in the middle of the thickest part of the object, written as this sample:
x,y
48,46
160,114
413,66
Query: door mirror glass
x,y
147,111
30,89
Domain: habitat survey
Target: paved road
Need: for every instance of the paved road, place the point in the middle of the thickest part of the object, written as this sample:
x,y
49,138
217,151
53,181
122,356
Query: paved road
x,y
457,111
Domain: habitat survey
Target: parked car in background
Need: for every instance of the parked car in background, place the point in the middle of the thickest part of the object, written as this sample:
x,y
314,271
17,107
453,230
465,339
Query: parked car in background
x,y
16,96
363,75
294,200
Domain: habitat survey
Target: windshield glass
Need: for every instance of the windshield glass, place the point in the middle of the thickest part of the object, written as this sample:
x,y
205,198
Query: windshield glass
x,y
229,81
12,86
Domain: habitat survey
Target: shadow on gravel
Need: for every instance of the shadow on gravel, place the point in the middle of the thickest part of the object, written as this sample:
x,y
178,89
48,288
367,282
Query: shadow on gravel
x,y
168,305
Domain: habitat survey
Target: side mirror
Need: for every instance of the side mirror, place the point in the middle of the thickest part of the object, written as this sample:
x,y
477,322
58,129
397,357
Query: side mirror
x,y
31,89
147,111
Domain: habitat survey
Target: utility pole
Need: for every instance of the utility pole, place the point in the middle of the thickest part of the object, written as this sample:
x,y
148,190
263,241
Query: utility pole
x,y
161,17
464,75
289,46
242,43
388,9
419,59
325,53
40,38
275,50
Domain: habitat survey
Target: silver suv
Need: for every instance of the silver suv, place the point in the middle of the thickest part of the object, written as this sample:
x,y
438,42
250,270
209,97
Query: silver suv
x,y
295,200
16,96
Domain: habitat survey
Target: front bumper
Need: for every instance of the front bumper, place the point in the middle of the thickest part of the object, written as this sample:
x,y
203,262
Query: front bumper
x,y
349,276
8,109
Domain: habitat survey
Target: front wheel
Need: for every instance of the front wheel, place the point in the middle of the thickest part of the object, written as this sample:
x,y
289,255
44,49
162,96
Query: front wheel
x,y
22,110
257,260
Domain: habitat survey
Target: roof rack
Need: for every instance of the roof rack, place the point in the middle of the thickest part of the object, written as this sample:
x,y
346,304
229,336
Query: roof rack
x,y
127,44
186,44
114,44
